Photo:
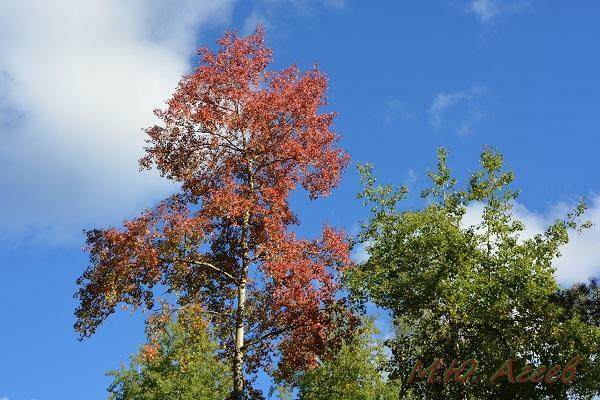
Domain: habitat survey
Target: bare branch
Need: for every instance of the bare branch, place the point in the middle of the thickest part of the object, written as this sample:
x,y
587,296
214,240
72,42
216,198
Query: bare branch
x,y
204,264
276,332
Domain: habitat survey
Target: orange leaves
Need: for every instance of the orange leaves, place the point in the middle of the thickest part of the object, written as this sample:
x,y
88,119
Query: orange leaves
x,y
239,139
303,285
238,62
149,352
232,121
127,264
336,247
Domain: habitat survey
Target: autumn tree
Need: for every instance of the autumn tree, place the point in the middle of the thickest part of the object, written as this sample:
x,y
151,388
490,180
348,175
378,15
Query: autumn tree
x,y
483,291
238,139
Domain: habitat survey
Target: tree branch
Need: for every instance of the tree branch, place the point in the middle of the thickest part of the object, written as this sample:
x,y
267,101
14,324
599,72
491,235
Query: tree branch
x,y
275,333
205,264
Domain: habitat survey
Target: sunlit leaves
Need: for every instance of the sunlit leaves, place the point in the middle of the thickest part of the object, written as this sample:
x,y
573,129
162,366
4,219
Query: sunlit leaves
x,y
238,138
481,291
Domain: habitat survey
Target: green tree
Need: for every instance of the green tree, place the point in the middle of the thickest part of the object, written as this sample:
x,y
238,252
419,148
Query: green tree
x,y
480,292
353,373
178,363
582,299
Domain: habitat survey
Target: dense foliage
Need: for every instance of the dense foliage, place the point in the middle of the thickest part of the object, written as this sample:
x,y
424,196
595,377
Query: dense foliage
x,y
481,291
178,363
238,139
355,372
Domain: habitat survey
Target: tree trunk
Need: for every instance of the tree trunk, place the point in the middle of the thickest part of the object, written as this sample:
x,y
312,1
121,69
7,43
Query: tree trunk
x,y
238,363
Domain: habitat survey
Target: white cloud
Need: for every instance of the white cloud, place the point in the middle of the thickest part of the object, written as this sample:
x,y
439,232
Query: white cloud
x,y
411,176
252,20
269,12
359,253
457,111
486,10
580,258
78,82
396,109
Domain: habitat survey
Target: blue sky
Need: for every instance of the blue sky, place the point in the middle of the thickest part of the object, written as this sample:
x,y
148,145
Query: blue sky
x,y
78,81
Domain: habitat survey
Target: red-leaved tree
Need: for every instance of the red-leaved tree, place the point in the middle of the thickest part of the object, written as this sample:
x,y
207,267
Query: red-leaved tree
x,y
238,138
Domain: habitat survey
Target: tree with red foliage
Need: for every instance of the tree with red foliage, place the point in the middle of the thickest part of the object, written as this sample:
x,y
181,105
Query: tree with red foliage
x,y
238,139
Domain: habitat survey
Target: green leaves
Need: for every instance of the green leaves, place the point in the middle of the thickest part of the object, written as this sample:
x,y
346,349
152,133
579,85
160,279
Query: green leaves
x,y
380,197
479,291
178,364
353,373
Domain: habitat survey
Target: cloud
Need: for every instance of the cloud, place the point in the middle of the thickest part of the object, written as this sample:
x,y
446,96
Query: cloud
x,y
274,13
458,111
487,10
359,253
252,20
580,258
78,82
394,110
410,177
484,9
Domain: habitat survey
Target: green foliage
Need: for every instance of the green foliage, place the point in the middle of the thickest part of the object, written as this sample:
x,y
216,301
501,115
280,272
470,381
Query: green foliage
x,y
353,373
178,364
582,299
480,291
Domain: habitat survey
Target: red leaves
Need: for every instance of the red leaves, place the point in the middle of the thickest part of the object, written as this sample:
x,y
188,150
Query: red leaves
x,y
149,352
126,265
238,138
303,284
231,118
